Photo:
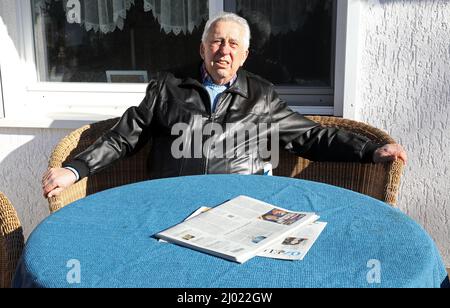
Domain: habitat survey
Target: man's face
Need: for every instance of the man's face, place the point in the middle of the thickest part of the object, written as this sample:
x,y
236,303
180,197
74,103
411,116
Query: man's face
x,y
223,51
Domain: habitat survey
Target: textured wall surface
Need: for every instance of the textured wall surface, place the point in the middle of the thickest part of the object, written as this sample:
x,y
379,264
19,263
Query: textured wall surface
x,y
24,157
404,88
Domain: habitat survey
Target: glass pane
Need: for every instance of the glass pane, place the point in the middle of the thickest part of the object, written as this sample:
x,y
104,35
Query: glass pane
x,y
292,40
115,40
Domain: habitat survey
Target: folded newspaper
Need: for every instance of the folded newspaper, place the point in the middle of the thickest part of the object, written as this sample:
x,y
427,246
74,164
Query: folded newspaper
x,y
244,227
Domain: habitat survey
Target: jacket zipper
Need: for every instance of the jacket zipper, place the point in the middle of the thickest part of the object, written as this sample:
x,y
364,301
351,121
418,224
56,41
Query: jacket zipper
x,y
212,118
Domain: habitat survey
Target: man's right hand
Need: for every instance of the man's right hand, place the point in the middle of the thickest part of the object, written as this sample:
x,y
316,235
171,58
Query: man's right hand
x,y
55,180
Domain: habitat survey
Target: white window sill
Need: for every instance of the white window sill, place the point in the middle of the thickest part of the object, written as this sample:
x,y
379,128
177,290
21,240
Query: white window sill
x,y
54,120
314,110
71,120
93,87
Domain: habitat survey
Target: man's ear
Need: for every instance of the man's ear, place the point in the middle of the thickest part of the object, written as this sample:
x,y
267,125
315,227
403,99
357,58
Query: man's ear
x,y
202,51
245,58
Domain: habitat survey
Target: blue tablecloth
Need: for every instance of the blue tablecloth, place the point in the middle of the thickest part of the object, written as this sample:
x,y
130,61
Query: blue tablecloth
x,y
109,235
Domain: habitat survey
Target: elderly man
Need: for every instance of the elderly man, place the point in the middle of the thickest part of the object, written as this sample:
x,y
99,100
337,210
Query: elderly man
x,y
224,96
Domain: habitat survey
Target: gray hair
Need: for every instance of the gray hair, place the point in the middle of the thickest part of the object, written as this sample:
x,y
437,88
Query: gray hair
x,y
225,16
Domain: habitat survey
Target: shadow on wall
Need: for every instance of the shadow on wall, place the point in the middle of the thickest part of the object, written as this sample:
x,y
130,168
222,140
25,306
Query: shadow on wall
x,y
24,157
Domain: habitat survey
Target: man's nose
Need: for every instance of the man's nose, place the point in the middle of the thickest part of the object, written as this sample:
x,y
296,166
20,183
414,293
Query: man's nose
x,y
225,48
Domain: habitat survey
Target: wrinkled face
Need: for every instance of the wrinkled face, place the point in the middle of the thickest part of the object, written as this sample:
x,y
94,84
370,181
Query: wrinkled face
x,y
223,51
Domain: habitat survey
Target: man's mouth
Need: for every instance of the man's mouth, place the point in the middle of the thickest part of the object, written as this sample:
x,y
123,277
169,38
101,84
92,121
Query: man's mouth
x,y
222,63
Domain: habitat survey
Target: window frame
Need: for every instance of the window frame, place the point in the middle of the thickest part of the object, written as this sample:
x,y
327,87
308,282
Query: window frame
x,y
71,104
2,107
346,58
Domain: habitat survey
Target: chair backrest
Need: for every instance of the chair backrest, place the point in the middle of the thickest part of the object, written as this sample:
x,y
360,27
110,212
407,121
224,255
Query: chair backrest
x,y
380,181
11,241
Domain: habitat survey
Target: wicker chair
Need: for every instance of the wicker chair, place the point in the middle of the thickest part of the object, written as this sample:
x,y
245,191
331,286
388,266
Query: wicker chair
x,y
380,181
126,171
11,241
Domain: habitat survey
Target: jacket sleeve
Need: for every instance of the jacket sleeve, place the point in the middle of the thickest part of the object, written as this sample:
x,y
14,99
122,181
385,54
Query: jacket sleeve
x,y
131,131
310,140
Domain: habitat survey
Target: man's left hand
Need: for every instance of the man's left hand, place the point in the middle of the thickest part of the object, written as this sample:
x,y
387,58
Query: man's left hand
x,y
389,152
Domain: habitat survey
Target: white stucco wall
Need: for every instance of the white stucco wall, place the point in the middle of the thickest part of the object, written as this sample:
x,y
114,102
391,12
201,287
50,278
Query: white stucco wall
x,y
404,88
24,155
24,152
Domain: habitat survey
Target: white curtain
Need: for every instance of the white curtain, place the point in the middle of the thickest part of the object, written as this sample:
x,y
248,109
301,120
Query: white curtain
x,y
178,15
281,16
105,15
97,15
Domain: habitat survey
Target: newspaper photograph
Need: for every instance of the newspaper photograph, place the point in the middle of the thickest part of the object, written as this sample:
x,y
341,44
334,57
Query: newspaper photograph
x,y
296,245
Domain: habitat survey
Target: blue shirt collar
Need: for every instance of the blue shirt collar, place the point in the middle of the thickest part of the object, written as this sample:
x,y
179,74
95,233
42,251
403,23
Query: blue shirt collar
x,y
206,78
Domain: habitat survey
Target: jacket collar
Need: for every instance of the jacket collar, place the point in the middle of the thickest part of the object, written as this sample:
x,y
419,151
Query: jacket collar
x,y
240,86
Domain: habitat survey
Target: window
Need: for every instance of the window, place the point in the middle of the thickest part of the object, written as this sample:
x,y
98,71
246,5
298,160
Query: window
x,y
82,41
292,46
65,56
291,40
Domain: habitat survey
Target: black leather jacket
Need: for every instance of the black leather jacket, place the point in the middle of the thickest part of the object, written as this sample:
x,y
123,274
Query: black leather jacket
x,y
172,99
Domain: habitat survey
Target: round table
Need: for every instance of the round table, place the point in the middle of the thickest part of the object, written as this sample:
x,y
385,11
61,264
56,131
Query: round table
x,y
106,240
